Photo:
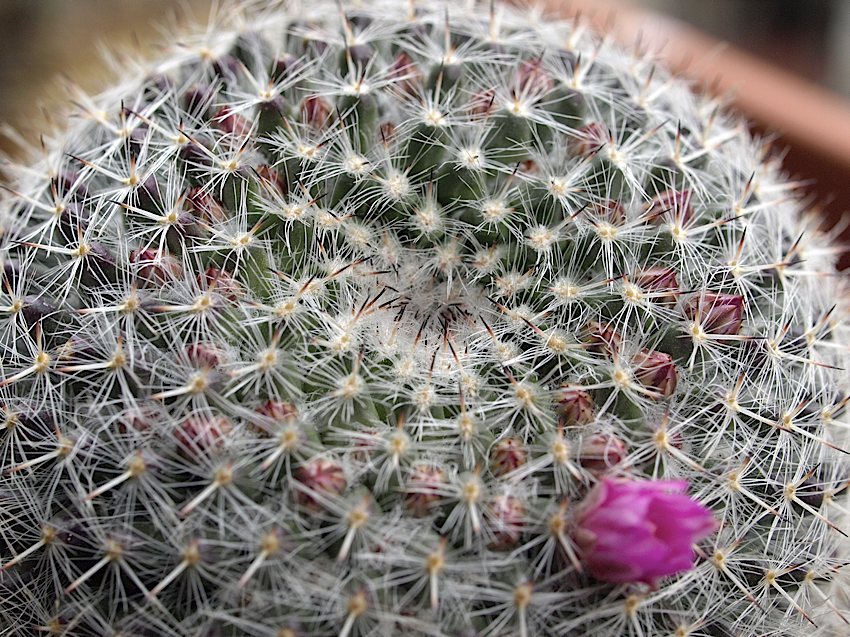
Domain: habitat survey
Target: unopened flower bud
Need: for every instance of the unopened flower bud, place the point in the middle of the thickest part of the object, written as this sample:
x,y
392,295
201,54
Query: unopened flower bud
x,y
222,282
321,477
656,371
599,453
717,313
424,487
574,406
202,434
507,455
506,522
591,138
154,269
674,205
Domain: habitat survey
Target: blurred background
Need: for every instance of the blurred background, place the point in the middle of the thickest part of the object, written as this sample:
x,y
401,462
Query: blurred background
x,y
787,63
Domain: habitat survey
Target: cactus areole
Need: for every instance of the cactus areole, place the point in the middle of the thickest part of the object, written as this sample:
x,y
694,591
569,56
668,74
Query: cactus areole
x,y
341,319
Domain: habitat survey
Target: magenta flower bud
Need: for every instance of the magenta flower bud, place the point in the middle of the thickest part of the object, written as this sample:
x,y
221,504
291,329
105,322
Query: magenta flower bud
x,y
591,138
674,205
424,486
321,477
575,406
507,455
155,269
506,518
640,530
656,371
602,452
717,313
285,66
278,411
660,283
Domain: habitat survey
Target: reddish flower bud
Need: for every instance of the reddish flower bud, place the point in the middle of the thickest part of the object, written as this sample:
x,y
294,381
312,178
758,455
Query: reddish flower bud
x,y
717,313
602,338
405,73
284,66
674,205
507,454
591,138
506,521
204,206
221,282
204,356
155,269
201,434
482,103
281,413
273,177
387,132
575,406
229,122
661,283
610,211
320,477
424,486
656,371
602,452
532,78
315,111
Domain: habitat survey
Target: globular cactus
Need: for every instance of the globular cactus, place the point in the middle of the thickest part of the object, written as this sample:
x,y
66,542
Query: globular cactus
x,y
390,319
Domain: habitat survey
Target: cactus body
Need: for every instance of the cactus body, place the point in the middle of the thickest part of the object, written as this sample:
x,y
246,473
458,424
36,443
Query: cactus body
x,y
326,323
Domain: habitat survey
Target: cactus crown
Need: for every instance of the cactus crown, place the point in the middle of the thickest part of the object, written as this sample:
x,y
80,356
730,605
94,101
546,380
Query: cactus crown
x,y
325,324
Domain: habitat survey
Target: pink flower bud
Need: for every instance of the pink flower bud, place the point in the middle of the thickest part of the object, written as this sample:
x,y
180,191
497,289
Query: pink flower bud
x,y
315,111
506,518
507,455
602,452
674,205
222,282
610,211
640,530
201,434
229,122
424,486
273,177
204,206
591,138
602,338
660,283
155,269
204,356
656,371
405,74
532,78
278,411
321,477
575,406
717,313
482,102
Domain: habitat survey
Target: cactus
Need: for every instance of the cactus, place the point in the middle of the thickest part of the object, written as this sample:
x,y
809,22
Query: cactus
x,y
329,321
